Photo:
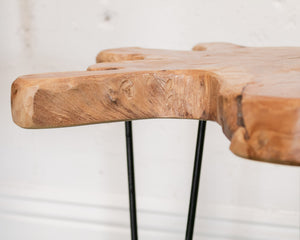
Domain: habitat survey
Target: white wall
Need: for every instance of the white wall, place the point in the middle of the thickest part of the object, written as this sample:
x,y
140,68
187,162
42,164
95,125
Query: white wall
x,y
71,183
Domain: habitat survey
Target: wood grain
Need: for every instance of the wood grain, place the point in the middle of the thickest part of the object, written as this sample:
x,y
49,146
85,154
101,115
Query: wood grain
x,y
253,93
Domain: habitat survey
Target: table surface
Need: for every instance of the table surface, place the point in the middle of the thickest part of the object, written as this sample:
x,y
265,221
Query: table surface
x,y
253,93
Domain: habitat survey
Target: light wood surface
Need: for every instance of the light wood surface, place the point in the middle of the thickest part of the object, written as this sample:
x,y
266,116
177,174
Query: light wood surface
x,y
253,93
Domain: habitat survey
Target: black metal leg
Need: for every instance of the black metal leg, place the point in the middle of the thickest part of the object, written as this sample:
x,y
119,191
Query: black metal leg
x,y
195,181
194,188
131,185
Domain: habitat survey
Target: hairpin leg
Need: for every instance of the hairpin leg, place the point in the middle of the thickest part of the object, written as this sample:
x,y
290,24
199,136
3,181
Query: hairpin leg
x,y
195,181
131,185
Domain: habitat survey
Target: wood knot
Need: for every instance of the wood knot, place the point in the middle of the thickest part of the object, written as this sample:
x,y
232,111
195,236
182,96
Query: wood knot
x,y
127,88
112,95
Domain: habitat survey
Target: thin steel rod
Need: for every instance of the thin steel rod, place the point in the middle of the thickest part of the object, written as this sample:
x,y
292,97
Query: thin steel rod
x,y
131,184
195,181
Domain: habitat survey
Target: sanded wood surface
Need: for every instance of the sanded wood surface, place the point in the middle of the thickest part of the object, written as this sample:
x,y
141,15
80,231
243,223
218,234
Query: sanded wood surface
x,y
253,93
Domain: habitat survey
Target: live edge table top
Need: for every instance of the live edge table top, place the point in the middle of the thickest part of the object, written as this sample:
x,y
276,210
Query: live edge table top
x,y
253,93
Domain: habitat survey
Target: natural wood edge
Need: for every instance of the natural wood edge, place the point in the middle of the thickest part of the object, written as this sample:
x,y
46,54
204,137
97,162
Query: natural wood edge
x,y
135,83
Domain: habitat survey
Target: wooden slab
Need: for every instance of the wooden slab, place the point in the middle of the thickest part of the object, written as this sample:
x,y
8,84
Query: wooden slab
x,y
253,93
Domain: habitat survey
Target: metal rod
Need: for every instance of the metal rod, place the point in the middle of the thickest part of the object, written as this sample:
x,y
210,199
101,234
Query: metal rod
x,y
131,184
195,182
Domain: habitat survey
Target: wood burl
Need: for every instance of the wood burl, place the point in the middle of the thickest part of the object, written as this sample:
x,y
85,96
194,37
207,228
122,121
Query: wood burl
x,y
253,93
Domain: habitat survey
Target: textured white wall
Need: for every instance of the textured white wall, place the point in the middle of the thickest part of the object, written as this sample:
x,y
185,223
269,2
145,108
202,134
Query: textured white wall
x,y
71,183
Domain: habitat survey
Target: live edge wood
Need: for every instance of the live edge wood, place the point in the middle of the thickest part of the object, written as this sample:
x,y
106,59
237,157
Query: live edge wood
x,y
253,93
